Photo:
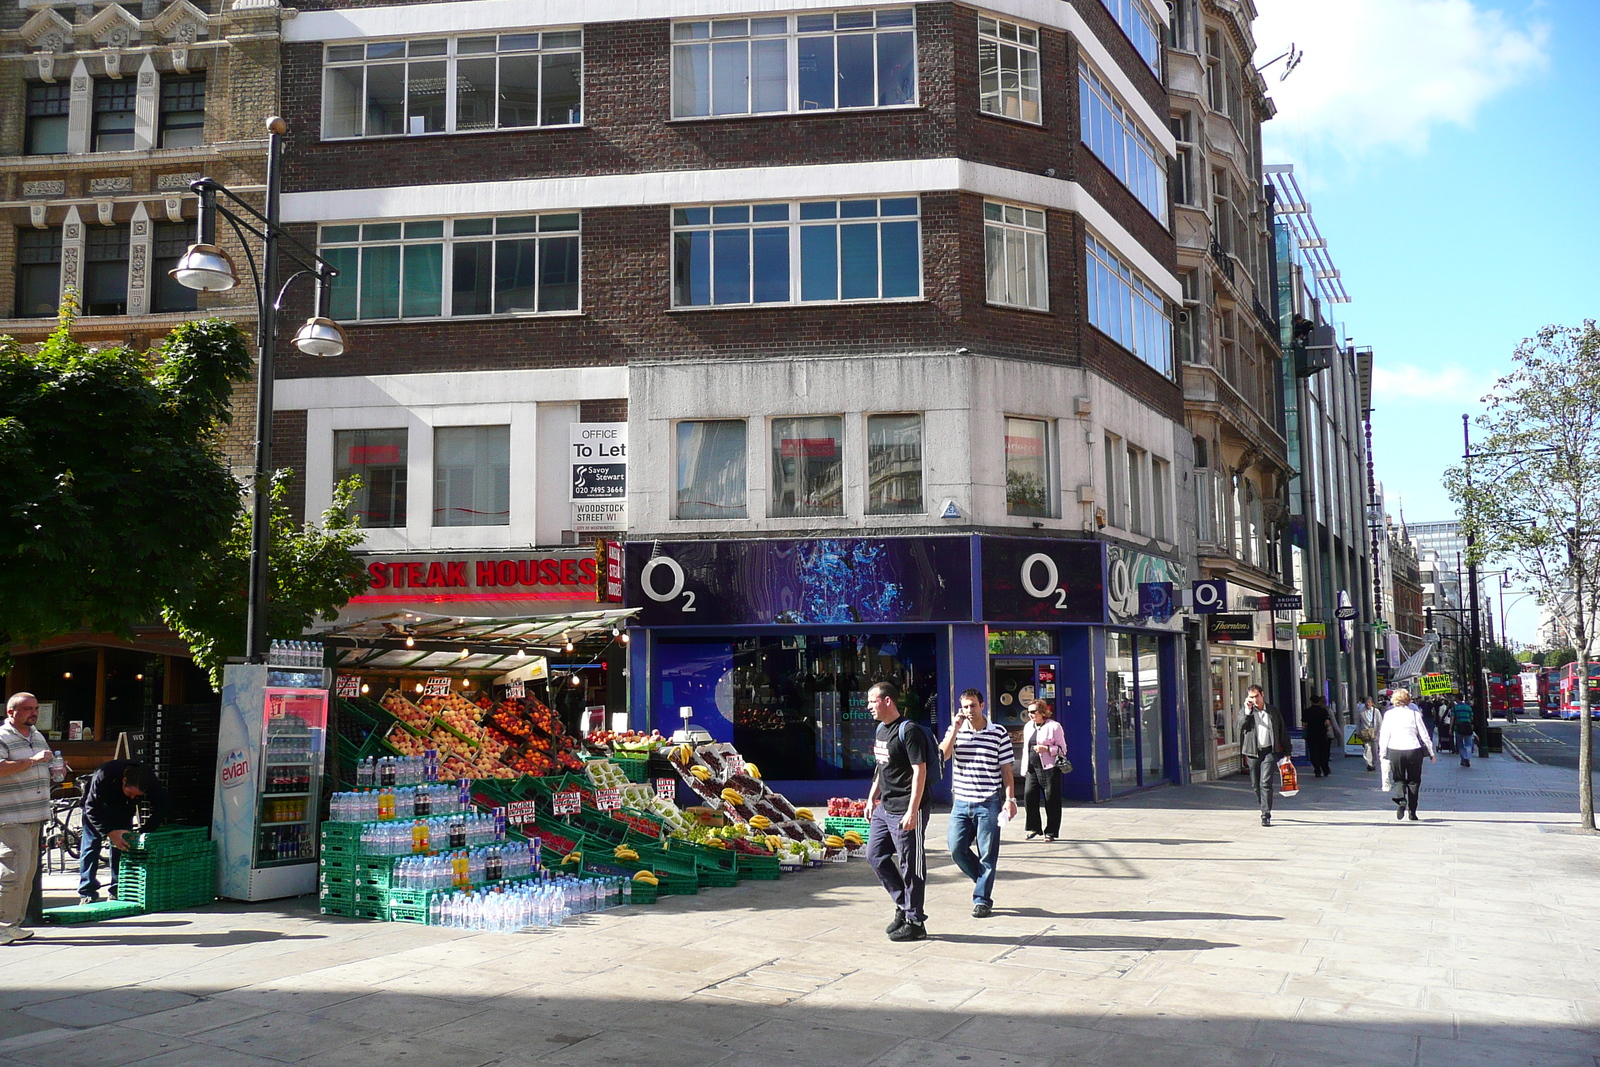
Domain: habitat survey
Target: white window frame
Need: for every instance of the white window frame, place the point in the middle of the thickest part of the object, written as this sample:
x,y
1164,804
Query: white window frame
x,y
791,35
1016,226
1160,510
1114,459
1133,156
1142,28
450,58
1137,510
1025,39
1127,308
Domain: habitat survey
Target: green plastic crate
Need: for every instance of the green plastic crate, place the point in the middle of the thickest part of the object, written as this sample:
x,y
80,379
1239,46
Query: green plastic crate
x,y
73,914
335,907
758,868
370,911
838,824
635,768
333,879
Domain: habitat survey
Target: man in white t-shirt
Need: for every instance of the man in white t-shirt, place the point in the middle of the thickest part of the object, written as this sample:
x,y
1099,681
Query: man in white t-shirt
x,y
982,759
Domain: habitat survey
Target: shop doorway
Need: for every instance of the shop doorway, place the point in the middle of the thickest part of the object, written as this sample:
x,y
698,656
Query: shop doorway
x,y
1233,672
1016,680
1134,710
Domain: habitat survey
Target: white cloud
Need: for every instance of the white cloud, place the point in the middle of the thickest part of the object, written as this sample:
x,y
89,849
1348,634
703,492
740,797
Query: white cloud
x,y
1405,384
1382,73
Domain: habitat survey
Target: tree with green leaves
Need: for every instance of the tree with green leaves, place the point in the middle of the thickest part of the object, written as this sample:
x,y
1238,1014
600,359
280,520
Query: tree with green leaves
x,y
312,574
1498,659
111,481
1530,494
1560,657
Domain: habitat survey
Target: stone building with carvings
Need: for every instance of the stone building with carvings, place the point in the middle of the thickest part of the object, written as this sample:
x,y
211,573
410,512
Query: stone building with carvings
x,y
107,112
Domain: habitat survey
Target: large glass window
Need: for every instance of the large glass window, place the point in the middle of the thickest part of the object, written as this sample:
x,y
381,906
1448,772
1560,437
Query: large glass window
x,y
807,467
1111,133
1147,681
711,469
1160,515
169,241
472,476
1133,711
749,66
1008,69
378,458
38,273
105,271
48,104
1027,467
1014,258
1128,309
113,114
517,265
894,465
1142,28
453,84
1136,510
827,250
183,111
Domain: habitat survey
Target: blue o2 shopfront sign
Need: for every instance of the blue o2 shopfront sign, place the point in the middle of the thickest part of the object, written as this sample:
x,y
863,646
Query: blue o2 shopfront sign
x,y
865,581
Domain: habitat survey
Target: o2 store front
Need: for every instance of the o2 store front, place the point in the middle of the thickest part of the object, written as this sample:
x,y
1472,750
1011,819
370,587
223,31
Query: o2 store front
x,y
774,643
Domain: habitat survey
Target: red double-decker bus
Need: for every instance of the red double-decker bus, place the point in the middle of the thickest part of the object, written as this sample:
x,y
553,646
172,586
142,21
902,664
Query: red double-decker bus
x,y
1569,691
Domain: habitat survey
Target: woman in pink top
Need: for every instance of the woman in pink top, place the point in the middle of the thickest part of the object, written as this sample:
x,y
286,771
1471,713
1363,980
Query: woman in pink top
x,y
1044,745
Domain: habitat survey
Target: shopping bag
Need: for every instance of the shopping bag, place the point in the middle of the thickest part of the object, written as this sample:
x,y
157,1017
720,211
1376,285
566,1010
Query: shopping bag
x,y
1388,775
1288,780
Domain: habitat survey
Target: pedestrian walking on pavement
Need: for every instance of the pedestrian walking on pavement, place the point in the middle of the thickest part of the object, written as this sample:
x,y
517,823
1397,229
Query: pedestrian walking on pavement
x,y
1044,746
897,818
1403,740
1369,719
1262,740
25,758
1465,736
981,787
1318,723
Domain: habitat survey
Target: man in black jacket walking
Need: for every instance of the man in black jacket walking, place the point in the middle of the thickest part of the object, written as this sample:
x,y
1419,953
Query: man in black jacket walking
x,y
1262,739
110,801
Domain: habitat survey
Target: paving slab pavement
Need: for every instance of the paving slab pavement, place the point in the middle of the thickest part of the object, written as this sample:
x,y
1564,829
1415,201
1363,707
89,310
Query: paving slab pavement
x,y
1165,926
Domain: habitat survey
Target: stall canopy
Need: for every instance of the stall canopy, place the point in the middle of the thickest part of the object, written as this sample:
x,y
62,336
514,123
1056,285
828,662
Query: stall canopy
x,y
417,641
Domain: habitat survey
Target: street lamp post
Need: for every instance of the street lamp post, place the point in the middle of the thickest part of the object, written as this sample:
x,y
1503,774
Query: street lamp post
x,y
208,268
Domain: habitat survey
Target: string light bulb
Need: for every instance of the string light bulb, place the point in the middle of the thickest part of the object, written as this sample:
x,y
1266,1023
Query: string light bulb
x,y
576,681
521,654
67,675
465,653
365,688
419,687
623,638
411,642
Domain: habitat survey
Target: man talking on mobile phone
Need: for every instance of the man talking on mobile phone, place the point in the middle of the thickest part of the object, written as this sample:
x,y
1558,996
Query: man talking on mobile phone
x,y
896,818
981,775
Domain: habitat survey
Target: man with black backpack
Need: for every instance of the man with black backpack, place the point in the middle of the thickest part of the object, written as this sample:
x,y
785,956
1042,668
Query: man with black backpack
x,y
897,816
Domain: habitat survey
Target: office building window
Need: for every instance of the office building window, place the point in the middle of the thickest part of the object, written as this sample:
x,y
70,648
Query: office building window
x,y
1142,28
38,273
169,241
1115,137
453,84
751,66
894,465
521,264
105,271
48,103
1136,507
183,111
1008,69
711,469
1160,509
113,114
828,250
1116,481
807,467
1128,309
472,476
378,458
1027,467
1014,256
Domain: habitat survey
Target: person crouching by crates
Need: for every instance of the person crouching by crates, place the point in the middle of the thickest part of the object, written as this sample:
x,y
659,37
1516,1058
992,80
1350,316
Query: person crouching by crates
x,y
110,802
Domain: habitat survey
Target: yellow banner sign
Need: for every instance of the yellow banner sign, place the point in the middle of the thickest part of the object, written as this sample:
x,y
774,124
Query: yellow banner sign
x,y
1433,684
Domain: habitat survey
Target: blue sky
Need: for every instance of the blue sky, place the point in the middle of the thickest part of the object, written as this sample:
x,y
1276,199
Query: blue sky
x,y
1451,153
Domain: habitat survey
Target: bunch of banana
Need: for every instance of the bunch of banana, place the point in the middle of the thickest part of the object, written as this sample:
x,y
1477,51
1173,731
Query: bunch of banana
x,y
572,857
623,852
852,838
734,797
804,813
752,771
774,842
684,753
701,773
833,841
716,842
647,876
760,822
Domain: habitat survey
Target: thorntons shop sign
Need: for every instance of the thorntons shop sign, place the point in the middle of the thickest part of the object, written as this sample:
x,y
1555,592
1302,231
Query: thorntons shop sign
x,y
441,578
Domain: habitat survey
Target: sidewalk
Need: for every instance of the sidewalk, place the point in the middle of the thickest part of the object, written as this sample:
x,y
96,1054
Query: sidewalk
x,y
1167,927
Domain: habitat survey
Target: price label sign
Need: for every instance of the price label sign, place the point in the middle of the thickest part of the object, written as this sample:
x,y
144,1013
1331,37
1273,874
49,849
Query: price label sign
x,y
520,812
567,803
667,788
348,685
437,686
516,690
608,799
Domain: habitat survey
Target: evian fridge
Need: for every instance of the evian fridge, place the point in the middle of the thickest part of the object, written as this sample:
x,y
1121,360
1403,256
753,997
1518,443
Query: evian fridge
x,y
271,749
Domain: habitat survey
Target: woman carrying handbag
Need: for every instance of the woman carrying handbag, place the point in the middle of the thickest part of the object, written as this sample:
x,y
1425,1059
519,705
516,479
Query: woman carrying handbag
x,y
1402,741
1044,744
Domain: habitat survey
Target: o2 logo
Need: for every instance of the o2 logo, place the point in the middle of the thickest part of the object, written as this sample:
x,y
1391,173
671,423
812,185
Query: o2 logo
x,y
1041,566
652,585
235,769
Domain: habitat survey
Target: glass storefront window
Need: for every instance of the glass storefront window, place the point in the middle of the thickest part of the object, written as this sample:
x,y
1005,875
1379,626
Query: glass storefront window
x,y
1021,643
1148,681
1133,712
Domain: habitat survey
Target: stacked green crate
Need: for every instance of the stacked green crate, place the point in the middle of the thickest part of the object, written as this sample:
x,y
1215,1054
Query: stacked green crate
x,y
169,869
336,868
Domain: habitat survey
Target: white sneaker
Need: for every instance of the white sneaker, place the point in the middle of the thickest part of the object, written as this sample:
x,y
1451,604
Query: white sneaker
x,y
15,934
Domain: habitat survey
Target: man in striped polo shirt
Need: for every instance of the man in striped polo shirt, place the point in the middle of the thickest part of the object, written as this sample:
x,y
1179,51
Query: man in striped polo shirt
x,y
980,785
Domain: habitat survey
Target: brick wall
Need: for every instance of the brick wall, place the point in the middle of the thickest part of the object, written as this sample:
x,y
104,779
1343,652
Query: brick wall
x,y
289,451
603,410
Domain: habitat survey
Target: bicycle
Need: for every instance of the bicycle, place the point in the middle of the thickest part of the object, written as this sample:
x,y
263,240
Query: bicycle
x,y
63,832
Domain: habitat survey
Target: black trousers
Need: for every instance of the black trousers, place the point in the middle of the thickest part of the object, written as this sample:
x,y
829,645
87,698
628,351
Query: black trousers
x,y
1261,770
1318,750
1043,787
1407,766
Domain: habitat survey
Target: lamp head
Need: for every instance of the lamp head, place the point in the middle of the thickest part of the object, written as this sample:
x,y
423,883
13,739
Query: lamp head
x,y
205,268
320,336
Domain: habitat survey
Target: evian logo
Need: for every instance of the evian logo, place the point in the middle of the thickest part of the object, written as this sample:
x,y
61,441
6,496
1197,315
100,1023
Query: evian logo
x,y
235,769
